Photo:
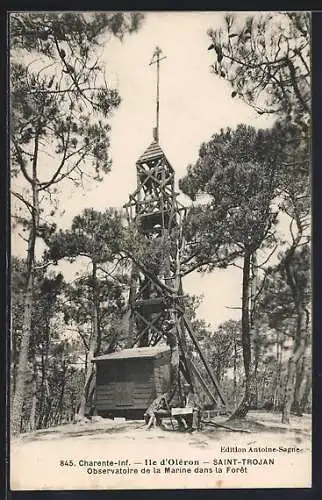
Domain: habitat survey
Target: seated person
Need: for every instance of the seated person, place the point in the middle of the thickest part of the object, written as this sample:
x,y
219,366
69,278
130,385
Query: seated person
x,y
157,408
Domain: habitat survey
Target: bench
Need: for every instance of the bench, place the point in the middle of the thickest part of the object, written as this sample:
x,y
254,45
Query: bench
x,y
187,417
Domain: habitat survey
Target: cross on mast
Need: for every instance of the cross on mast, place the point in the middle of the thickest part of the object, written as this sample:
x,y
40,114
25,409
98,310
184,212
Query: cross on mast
x,y
156,58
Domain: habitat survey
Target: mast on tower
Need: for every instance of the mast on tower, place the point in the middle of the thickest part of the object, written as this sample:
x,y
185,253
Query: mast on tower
x,y
156,58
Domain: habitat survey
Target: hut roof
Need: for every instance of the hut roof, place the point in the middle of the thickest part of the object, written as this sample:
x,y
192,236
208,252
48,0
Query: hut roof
x,y
136,352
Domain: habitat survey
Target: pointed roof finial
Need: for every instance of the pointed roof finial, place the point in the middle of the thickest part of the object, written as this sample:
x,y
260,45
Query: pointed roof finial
x,y
156,58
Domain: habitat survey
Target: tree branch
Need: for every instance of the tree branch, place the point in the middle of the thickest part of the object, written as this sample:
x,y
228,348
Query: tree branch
x,y
23,200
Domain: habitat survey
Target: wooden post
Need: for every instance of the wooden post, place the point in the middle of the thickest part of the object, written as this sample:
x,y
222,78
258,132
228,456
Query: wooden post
x,y
195,370
197,346
156,60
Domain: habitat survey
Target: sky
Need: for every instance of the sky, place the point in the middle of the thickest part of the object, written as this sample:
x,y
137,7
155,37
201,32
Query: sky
x,y
194,104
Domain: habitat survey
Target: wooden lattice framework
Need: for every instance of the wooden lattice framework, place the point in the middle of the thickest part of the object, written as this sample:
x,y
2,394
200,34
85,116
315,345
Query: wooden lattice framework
x,y
157,308
155,211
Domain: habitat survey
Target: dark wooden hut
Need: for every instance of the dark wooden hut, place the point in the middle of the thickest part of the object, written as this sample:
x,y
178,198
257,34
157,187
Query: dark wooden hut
x,y
129,380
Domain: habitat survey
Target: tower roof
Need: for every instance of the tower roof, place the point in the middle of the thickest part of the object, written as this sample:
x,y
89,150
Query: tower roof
x,y
153,152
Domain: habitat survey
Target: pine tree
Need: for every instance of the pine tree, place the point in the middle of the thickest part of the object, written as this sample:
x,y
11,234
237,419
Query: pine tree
x,y
60,107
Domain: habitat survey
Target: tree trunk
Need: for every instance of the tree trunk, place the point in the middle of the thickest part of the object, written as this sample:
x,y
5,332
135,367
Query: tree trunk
x,y
263,387
253,289
59,407
244,406
19,394
92,349
299,386
146,293
44,371
32,416
47,415
172,341
255,375
306,393
302,318
89,374
235,371
278,372
18,398
297,352
128,317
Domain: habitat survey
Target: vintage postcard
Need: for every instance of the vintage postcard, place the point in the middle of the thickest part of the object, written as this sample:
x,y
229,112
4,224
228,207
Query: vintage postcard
x,y
160,269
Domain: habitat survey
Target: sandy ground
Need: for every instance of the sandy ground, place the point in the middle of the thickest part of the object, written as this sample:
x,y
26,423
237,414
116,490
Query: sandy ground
x,y
129,456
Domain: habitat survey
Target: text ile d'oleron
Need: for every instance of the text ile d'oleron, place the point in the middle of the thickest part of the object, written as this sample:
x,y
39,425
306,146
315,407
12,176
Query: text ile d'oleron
x,y
239,464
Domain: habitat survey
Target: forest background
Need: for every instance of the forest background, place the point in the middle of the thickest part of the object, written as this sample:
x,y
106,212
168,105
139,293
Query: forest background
x,y
243,158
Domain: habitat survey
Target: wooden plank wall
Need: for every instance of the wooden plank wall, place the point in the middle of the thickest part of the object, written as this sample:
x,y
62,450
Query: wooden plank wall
x,y
161,375
125,384
124,395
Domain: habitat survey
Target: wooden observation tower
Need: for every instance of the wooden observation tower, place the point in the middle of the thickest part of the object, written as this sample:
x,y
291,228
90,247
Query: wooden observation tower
x,y
157,308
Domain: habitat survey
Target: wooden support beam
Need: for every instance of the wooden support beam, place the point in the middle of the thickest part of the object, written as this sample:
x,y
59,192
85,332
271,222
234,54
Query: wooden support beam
x,y
149,324
184,370
195,370
197,346
165,289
